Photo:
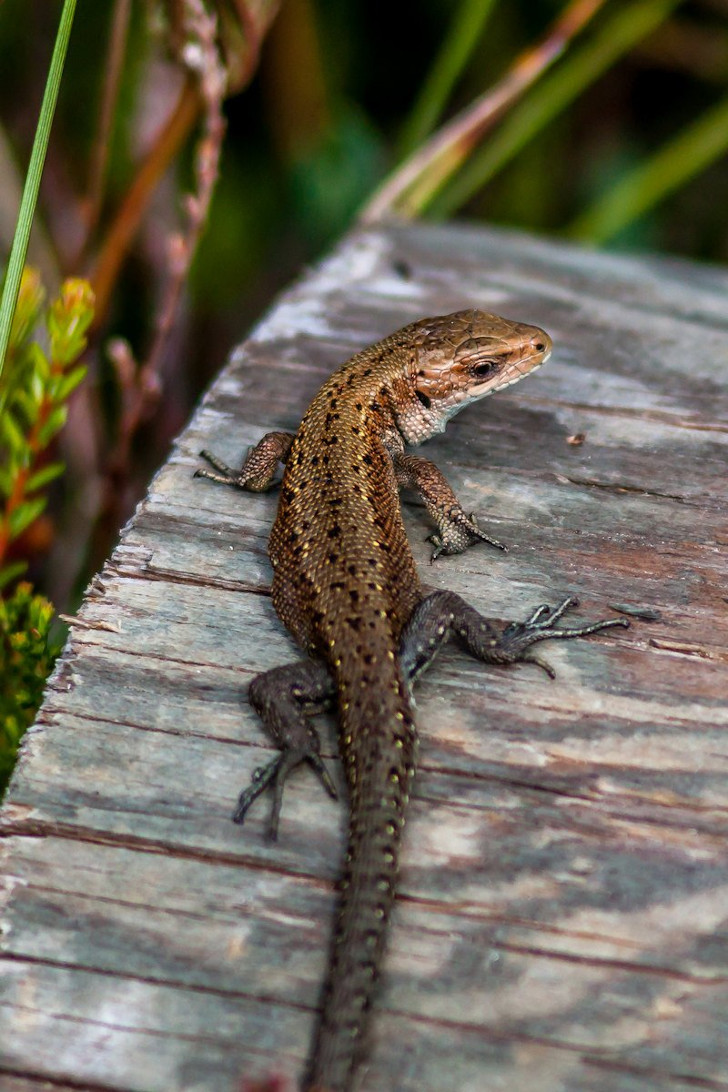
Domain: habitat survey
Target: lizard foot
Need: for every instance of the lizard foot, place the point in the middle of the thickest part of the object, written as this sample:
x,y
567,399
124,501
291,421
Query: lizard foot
x,y
258,471
457,531
275,774
284,698
443,614
518,637
222,473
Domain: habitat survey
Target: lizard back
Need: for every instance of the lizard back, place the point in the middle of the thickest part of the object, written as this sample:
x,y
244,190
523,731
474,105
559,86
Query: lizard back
x,y
345,584
338,545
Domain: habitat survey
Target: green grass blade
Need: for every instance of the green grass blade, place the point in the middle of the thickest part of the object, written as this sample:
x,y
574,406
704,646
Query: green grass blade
x,y
461,40
693,149
618,34
19,248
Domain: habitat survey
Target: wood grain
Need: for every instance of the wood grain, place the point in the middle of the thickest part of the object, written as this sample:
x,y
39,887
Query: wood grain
x,y
562,924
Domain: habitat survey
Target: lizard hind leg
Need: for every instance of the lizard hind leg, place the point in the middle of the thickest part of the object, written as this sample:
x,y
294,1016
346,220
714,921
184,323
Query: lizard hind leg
x,y
443,614
285,698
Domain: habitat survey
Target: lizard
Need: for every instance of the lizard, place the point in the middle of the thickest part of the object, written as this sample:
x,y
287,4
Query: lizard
x,y
346,586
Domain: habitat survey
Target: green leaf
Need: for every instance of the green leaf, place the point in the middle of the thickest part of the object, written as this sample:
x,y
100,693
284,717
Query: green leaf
x,y
69,317
26,406
12,434
692,150
22,516
40,372
55,422
43,476
39,362
11,572
460,41
7,477
67,383
27,653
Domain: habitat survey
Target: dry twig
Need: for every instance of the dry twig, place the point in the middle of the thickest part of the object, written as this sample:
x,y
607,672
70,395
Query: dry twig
x,y
141,387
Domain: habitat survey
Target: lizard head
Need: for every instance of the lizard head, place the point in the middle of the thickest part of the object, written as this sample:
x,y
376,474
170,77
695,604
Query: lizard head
x,y
459,358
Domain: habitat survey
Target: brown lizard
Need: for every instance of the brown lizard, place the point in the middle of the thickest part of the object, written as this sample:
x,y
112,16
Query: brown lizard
x,y
346,586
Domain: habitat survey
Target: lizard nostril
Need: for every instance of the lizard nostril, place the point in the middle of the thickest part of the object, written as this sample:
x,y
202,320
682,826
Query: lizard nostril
x,y
540,346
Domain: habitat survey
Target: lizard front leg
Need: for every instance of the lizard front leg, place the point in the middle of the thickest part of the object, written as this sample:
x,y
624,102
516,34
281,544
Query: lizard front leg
x,y
455,529
443,614
259,466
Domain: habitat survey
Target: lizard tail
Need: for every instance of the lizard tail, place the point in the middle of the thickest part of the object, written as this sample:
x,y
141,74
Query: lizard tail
x,y
379,757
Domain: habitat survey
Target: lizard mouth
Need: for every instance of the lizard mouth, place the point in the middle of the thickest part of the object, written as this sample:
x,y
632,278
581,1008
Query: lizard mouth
x,y
514,371
514,377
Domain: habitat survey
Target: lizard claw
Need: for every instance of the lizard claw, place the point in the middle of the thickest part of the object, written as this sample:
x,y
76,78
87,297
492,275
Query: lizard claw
x,y
475,530
326,779
457,532
222,473
260,780
542,612
275,773
545,667
439,547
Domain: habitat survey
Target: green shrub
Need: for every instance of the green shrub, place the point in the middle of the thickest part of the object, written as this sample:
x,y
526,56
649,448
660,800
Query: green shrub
x,y
41,372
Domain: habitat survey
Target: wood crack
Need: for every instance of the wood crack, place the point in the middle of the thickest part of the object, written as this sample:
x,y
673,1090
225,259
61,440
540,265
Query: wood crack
x,y
39,828
65,1084
622,487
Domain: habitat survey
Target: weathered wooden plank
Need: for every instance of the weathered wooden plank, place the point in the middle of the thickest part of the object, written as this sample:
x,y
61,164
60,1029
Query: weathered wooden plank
x,y
562,921
214,946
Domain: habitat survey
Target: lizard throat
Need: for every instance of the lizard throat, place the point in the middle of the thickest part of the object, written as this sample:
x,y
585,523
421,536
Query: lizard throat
x,y
430,415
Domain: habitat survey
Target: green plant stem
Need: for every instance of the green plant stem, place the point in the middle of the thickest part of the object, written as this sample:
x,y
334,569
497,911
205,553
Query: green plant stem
x,y
461,40
19,248
694,148
617,35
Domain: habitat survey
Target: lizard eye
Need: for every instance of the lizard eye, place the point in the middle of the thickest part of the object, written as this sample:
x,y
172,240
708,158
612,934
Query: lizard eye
x,y
485,367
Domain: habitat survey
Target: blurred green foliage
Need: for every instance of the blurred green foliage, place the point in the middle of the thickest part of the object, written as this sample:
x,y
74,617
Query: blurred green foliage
x,y
281,201
27,654
613,121
35,386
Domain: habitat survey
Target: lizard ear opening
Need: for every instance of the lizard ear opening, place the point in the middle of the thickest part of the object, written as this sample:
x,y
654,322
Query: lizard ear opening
x,y
423,398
